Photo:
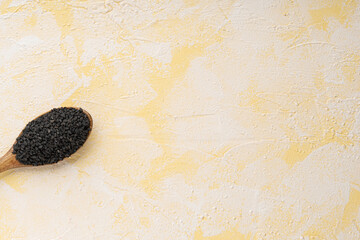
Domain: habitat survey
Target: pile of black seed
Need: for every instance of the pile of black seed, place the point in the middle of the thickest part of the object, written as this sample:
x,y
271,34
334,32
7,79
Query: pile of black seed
x,y
52,136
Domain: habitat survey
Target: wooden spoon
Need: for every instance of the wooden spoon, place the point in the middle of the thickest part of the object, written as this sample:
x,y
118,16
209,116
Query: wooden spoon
x,y
8,161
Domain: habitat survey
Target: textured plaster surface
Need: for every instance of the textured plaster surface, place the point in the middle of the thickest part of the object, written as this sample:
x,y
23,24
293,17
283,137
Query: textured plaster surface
x,y
213,120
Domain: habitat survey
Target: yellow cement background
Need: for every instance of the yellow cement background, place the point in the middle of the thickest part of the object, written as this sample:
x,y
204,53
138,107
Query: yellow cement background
x,y
213,120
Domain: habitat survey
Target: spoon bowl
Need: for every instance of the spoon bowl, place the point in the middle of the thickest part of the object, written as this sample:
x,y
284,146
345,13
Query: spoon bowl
x,y
9,161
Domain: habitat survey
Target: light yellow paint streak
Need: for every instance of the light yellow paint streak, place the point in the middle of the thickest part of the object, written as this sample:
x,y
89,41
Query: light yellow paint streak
x,y
32,20
4,7
14,181
225,235
145,221
351,67
298,152
62,12
325,129
191,3
162,82
341,10
319,80
351,209
300,148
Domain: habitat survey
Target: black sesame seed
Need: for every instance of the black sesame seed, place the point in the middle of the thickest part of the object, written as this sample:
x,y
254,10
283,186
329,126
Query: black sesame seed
x,y
52,137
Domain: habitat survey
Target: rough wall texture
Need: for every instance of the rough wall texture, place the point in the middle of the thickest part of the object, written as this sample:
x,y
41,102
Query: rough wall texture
x,y
214,120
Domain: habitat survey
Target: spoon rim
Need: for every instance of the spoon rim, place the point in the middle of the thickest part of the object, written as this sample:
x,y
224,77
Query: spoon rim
x,y
78,108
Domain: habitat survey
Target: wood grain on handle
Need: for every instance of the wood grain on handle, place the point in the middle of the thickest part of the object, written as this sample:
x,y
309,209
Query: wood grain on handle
x,y
8,161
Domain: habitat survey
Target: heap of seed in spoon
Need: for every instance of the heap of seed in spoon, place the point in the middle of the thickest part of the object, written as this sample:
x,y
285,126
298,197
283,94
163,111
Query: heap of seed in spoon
x,y
52,137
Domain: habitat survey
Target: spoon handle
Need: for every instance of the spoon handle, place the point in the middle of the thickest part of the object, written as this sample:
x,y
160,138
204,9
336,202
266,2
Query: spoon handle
x,y
8,161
